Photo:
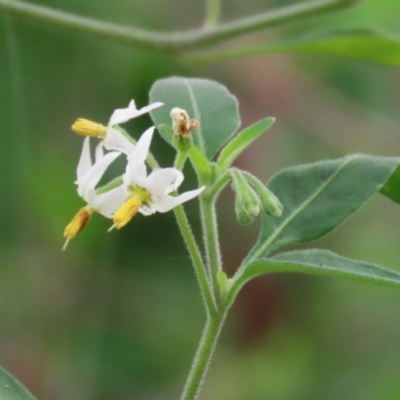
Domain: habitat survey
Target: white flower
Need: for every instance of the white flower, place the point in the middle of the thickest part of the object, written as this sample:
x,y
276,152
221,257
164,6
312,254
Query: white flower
x,y
89,175
149,193
111,137
114,139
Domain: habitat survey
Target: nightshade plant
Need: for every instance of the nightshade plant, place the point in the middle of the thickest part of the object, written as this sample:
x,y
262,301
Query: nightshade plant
x,y
200,119
298,204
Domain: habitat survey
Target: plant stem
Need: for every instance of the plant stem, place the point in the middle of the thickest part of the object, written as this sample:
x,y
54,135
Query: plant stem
x,y
197,260
180,160
211,241
220,185
212,13
194,251
172,42
203,357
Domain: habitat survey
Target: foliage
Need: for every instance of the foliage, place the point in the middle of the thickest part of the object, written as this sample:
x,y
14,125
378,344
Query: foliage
x,y
316,198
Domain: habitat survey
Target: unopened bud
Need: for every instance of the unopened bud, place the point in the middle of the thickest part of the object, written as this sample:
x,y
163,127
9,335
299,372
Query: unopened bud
x,y
182,125
86,127
247,204
270,203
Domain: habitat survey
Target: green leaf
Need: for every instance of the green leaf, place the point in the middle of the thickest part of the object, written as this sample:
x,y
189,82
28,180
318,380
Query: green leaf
x,y
233,149
392,186
363,44
316,262
320,196
207,101
11,389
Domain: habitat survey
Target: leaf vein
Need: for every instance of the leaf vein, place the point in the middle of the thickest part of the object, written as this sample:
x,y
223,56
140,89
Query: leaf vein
x,y
311,198
197,115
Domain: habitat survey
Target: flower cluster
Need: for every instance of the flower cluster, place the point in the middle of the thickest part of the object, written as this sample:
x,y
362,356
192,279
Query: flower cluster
x,y
122,199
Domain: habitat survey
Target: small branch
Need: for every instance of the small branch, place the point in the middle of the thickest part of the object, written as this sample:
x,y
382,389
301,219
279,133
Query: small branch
x,y
220,185
197,260
172,42
193,248
211,241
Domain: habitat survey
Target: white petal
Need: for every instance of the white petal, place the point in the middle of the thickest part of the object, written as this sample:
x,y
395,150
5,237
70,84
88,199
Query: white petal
x,y
85,162
148,108
99,153
115,140
145,210
169,202
121,115
164,181
125,114
108,203
88,182
137,158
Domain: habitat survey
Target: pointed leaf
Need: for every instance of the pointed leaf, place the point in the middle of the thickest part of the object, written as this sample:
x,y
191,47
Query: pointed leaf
x,y
320,196
233,149
392,186
363,44
316,262
207,101
11,389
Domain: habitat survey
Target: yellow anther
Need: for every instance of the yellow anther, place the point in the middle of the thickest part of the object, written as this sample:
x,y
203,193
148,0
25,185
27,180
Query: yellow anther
x,y
77,223
86,127
182,125
126,212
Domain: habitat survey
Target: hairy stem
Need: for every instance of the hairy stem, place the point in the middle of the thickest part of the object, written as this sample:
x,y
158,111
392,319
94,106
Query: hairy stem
x,y
220,185
172,42
196,258
203,357
194,251
211,241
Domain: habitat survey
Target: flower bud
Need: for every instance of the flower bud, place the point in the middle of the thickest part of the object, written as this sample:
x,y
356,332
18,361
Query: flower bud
x,y
182,125
86,127
247,203
269,202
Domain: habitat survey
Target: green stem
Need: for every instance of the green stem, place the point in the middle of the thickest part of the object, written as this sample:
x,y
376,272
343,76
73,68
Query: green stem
x,y
220,185
212,13
203,357
172,42
194,251
212,247
180,160
197,260
110,185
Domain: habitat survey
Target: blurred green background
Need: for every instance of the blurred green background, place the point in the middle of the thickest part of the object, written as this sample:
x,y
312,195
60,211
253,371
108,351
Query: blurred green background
x,y
118,316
